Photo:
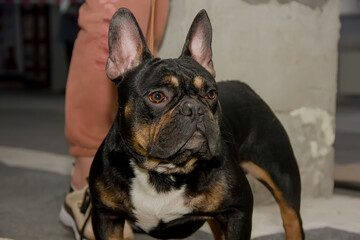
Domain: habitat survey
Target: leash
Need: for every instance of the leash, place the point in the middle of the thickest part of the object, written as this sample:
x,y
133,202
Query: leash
x,y
152,23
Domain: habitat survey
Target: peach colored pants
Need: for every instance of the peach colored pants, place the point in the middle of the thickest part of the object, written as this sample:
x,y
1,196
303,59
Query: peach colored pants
x,y
91,98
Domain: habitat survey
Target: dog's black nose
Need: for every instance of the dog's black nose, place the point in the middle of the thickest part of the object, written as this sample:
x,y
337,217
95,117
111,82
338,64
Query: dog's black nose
x,y
192,108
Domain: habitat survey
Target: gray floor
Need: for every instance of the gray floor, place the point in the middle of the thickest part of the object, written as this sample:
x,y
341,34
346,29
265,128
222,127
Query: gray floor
x,y
318,234
29,208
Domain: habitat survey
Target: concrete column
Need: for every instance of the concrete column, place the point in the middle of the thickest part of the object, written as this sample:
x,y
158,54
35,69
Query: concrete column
x,y
287,52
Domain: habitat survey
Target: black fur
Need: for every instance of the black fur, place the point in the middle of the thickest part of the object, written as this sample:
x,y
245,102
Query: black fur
x,y
204,140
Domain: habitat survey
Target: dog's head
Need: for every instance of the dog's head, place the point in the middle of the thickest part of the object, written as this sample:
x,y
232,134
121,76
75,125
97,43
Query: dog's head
x,y
168,108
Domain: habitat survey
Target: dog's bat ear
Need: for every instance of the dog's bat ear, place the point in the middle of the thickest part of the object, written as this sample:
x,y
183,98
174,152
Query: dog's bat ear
x,y
127,45
198,42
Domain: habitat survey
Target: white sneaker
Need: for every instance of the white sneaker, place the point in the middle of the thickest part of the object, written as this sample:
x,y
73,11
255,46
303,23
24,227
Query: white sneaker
x,y
76,214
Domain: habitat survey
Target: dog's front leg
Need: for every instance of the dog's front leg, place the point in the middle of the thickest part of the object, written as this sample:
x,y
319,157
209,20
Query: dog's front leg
x,y
107,226
235,224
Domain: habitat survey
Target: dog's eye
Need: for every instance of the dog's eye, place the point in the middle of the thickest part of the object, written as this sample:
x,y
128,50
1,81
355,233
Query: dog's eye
x,y
157,97
211,95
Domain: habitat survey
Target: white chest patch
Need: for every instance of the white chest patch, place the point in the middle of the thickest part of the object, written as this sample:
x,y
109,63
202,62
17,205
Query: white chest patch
x,y
152,207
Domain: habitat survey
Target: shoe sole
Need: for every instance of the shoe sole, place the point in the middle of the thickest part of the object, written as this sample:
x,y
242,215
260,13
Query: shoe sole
x,y
68,221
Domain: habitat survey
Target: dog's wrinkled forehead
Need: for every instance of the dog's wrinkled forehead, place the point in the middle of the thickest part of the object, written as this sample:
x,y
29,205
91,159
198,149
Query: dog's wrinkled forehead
x,y
183,74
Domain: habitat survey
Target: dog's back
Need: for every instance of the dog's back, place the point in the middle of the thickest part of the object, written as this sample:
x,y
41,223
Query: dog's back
x,y
259,142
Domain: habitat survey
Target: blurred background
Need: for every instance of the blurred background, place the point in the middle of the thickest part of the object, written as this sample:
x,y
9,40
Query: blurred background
x,y
302,57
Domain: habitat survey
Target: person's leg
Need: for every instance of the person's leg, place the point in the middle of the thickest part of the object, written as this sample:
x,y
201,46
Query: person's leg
x,y
80,172
90,95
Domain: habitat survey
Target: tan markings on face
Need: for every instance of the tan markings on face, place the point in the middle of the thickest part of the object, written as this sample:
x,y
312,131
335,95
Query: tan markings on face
x,y
145,134
216,230
117,200
141,135
198,82
172,80
289,216
211,199
156,127
127,110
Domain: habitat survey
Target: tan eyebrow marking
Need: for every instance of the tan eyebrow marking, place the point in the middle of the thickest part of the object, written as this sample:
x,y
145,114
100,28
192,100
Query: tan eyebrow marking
x,y
198,82
172,79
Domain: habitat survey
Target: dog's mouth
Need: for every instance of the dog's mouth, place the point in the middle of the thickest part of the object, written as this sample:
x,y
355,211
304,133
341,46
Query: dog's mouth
x,y
184,159
195,143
